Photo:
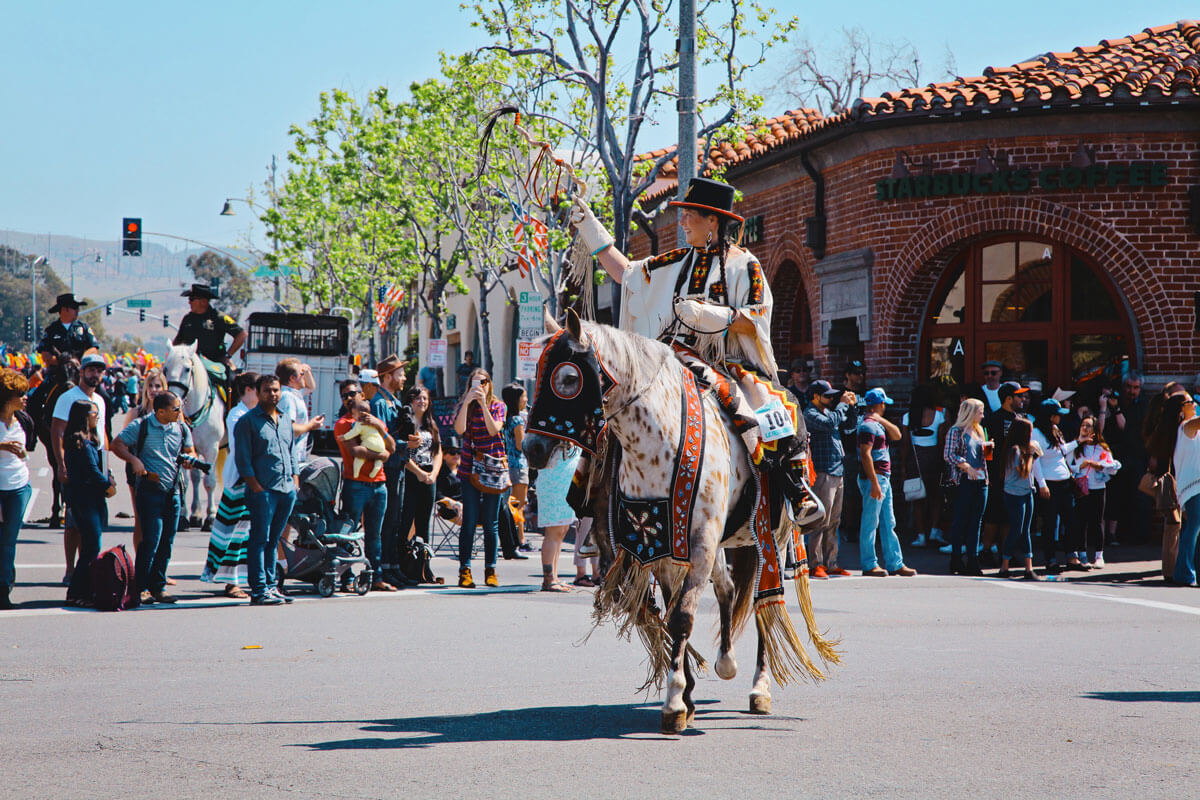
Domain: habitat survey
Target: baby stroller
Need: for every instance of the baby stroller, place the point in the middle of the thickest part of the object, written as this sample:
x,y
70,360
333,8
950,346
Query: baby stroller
x,y
328,548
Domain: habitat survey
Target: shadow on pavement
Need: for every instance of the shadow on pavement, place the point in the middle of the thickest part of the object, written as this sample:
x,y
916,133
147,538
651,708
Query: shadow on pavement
x,y
540,724
1145,697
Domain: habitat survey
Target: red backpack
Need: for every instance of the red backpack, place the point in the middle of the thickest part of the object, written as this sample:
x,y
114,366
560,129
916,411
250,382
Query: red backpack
x,y
114,584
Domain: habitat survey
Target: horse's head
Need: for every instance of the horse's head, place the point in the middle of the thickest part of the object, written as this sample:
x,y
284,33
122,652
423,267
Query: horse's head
x,y
179,369
568,401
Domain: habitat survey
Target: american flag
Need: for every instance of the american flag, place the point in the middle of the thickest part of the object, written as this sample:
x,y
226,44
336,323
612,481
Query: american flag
x,y
389,301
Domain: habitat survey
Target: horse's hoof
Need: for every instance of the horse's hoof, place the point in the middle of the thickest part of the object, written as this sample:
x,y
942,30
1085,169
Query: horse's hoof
x,y
207,526
726,667
674,721
691,717
760,704
195,522
183,524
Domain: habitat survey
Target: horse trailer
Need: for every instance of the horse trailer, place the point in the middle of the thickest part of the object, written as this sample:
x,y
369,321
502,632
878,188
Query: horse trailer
x,y
323,342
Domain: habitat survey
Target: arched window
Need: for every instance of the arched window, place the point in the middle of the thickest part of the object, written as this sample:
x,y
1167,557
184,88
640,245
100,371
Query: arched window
x,y
791,322
1038,307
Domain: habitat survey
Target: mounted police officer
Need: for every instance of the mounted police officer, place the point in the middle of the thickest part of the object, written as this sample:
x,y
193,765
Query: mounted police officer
x,y
207,328
67,334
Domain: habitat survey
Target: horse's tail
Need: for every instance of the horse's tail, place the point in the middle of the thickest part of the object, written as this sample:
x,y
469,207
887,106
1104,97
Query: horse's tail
x,y
743,567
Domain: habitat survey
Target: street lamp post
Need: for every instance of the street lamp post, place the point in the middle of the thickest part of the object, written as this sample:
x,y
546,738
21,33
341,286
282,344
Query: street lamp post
x,y
99,260
227,211
33,265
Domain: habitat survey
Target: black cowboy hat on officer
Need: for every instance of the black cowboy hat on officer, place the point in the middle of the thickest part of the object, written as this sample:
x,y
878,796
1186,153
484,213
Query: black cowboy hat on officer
x,y
68,333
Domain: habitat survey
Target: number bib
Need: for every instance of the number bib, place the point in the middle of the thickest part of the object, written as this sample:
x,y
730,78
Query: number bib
x,y
774,422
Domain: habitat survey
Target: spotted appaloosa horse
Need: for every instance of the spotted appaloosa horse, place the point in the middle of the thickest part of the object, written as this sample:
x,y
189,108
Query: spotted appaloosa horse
x,y
205,413
593,376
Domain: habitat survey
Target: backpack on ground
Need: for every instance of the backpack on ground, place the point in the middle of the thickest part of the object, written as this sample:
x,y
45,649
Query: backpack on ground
x,y
416,562
113,583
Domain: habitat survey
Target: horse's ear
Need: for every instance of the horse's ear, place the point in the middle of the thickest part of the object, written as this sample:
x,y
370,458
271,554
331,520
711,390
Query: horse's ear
x,y
194,346
551,326
574,328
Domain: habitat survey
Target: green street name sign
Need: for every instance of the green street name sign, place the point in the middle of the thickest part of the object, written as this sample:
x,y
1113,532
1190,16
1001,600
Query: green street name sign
x,y
1015,181
138,302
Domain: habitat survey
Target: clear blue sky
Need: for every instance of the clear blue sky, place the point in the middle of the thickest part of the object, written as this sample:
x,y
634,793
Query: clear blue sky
x,y
163,109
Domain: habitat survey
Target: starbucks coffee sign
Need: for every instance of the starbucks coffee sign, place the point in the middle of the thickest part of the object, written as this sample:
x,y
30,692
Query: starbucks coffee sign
x,y
1136,174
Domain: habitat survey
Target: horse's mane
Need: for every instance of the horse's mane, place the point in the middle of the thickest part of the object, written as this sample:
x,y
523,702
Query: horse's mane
x,y
644,358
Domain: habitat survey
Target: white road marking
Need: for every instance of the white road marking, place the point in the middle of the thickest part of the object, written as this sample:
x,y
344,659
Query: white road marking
x,y
33,496
1133,601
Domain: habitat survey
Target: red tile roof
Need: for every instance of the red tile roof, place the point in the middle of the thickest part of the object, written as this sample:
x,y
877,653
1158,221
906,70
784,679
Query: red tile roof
x,y
1157,66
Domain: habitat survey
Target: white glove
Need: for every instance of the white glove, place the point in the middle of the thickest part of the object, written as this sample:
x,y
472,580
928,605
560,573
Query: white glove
x,y
704,317
591,231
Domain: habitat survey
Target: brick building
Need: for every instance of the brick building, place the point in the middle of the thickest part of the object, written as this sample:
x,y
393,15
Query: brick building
x,y
1045,214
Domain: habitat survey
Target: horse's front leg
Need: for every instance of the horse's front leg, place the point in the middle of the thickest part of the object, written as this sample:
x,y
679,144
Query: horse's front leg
x,y
726,665
678,709
760,693
197,479
210,489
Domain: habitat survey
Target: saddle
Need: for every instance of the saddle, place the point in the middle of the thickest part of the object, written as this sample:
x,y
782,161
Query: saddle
x,y
218,376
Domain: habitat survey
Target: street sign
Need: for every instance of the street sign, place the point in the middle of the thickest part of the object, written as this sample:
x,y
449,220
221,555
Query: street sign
x,y
530,308
138,302
528,354
437,352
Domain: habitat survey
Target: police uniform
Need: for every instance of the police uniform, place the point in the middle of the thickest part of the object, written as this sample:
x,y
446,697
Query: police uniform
x,y
76,338
208,330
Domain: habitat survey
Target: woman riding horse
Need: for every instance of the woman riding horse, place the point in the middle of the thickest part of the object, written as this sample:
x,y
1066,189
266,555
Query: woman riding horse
x,y
711,302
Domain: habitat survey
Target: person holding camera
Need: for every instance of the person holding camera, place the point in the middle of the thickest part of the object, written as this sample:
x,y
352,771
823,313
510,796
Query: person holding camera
x,y
825,414
397,418
157,447
480,420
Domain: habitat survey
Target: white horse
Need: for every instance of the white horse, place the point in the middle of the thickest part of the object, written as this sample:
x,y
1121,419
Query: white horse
x,y
205,413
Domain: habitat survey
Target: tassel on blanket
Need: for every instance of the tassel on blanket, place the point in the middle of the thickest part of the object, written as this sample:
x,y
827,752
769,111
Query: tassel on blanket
x,y
782,648
624,597
826,648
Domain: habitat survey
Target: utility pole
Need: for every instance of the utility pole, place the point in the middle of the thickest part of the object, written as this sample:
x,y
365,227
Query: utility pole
x,y
686,104
274,235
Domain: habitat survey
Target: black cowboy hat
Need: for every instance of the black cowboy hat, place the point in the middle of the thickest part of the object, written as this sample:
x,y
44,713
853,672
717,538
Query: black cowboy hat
x,y
199,292
706,194
65,301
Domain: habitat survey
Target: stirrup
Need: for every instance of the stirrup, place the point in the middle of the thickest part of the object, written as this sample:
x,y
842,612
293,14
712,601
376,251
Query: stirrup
x,y
807,508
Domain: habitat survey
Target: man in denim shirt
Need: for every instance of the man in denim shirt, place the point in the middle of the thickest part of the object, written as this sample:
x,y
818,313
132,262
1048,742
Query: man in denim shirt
x,y
825,417
266,462
156,463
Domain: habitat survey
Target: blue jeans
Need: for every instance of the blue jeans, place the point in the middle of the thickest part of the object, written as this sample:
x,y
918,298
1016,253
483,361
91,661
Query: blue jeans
x,y
89,511
1185,562
269,512
158,511
878,515
968,518
1020,517
479,508
368,501
12,507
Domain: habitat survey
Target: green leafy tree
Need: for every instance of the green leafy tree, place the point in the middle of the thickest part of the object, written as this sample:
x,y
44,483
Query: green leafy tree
x,y
14,299
236,289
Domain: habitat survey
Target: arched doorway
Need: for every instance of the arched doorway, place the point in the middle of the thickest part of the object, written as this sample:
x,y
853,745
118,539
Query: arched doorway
x,y
1039,307
791,321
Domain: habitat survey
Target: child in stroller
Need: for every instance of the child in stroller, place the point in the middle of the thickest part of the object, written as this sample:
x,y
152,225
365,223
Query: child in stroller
x,y
327,549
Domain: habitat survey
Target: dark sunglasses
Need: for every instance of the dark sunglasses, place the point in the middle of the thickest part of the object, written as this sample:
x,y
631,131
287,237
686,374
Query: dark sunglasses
x,y
350,393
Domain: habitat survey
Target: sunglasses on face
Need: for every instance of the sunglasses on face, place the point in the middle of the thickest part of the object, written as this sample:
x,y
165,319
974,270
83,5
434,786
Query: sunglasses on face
x,y
991,372
349,394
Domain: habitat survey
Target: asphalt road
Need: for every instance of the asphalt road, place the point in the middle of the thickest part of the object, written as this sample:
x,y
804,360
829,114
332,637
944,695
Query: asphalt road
x,y
950,687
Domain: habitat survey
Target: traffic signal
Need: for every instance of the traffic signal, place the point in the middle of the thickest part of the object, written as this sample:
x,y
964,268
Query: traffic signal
x,y
108,310
166,324
28,328
131,236
215,284
141,315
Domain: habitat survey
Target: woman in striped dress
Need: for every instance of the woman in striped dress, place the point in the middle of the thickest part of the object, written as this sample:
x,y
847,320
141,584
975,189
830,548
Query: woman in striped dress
x,y
231,529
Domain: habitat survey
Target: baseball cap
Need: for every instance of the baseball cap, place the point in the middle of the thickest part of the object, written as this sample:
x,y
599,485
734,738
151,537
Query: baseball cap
x,y
1061,394
1009,388
1051,406
92,359
801,365
823,388
993,363
876,396
368,376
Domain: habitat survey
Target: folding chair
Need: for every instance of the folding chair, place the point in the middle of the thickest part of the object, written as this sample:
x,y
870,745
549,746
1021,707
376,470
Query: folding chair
x,y
445,535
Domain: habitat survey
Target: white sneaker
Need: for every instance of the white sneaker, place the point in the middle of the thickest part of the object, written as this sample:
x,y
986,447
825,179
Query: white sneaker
x,y
920,541
947,550
1098,562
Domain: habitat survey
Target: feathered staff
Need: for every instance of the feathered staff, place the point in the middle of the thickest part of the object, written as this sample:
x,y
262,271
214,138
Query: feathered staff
x,y
545,193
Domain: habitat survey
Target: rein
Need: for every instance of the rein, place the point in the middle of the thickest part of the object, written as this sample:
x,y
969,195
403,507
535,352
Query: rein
x,y
637,395
201,414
